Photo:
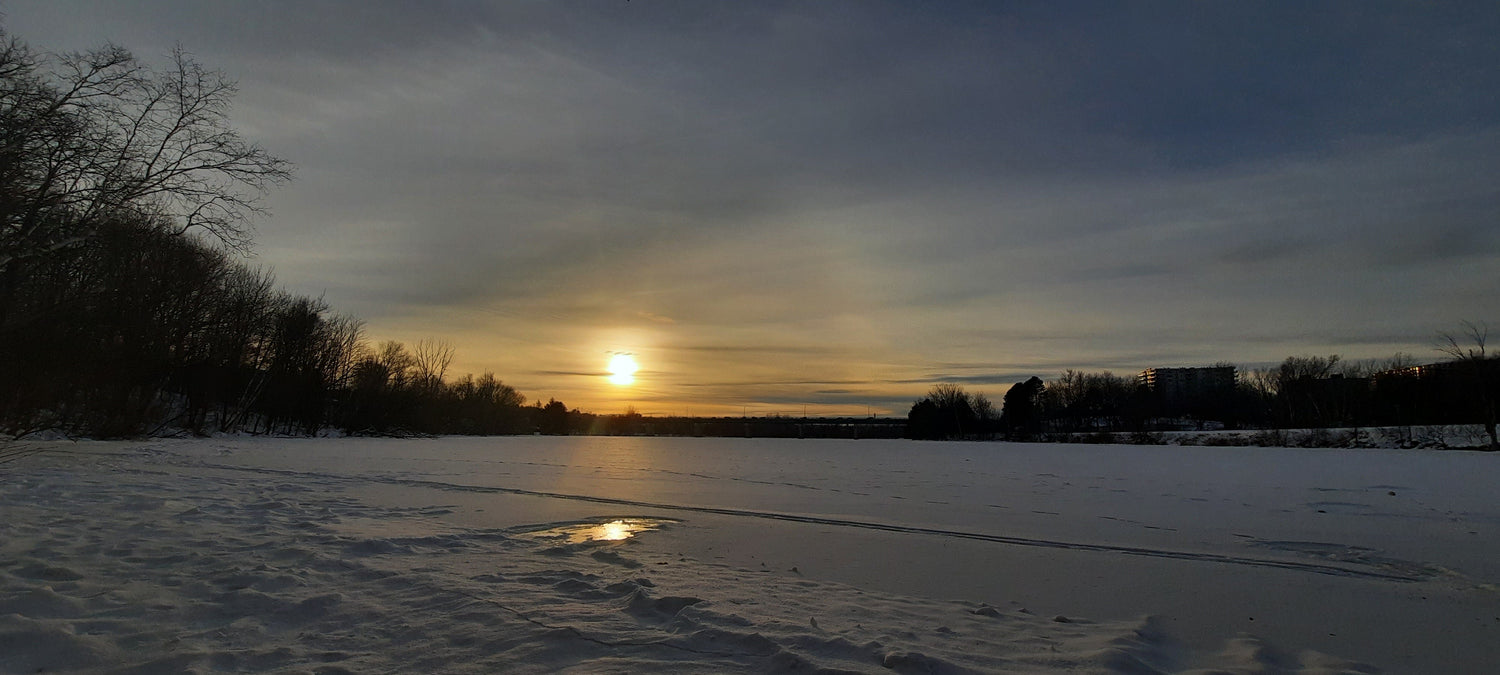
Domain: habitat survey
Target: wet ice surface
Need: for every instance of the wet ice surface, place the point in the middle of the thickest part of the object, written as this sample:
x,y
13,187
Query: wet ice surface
x,y
1409,504
1387,557
597,530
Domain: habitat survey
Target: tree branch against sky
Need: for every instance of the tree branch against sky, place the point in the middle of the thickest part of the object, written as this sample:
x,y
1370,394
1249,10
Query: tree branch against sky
x,y
1481,372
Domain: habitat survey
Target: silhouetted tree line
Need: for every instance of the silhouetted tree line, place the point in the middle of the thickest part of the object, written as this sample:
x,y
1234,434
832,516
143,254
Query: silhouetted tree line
x,y
1303,392
397,390
632,423
124,194
136,329
1322,392
950,412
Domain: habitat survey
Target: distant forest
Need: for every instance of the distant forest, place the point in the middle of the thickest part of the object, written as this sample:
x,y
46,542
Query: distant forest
x,y
126,309
1303,392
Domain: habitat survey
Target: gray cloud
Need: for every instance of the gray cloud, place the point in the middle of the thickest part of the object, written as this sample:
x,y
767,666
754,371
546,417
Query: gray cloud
x,y
768,201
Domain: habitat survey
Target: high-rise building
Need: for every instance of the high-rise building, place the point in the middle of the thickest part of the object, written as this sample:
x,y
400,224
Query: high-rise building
x,y
1176,385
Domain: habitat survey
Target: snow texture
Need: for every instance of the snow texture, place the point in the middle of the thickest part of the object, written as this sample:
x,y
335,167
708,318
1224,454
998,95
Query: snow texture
x,y
465,555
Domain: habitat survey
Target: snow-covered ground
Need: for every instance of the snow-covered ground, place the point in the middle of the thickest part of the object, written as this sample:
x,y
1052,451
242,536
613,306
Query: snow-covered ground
x,y
505,555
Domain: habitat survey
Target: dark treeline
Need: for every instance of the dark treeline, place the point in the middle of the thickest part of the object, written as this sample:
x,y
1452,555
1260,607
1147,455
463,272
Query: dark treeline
x,y
950,412
632,423
136,330
1303,392
124,199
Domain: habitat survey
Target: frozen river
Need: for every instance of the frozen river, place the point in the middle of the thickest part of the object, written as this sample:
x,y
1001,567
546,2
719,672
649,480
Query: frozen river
x,y
1387,556
1383,557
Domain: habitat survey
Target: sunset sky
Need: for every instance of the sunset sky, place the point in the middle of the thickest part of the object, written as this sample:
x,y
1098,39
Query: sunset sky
x,y
831,206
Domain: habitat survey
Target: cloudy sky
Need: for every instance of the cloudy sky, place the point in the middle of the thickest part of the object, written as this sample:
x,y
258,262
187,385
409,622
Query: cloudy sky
x,y
831,206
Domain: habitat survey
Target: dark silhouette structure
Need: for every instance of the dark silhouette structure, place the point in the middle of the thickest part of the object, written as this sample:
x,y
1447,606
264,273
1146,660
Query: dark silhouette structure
x,y
1188,391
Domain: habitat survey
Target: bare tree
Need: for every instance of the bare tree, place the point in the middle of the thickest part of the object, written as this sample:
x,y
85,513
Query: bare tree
x,y
1469,346
343,345
395,363
1304,368
1302,391
430,360
98,136
105,133
984,409
1479,371
949,412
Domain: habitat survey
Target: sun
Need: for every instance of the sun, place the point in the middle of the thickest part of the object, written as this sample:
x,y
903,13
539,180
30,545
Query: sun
x,y
622,369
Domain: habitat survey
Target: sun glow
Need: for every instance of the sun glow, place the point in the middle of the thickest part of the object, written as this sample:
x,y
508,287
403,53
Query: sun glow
x,y
622,369
614,531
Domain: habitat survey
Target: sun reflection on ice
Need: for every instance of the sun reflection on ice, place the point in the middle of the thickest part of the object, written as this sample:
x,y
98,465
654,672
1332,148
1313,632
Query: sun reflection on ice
x,y
618,529
613,531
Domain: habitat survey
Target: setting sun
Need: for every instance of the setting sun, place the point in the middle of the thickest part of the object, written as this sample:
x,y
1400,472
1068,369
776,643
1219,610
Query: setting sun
x,y
622,369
